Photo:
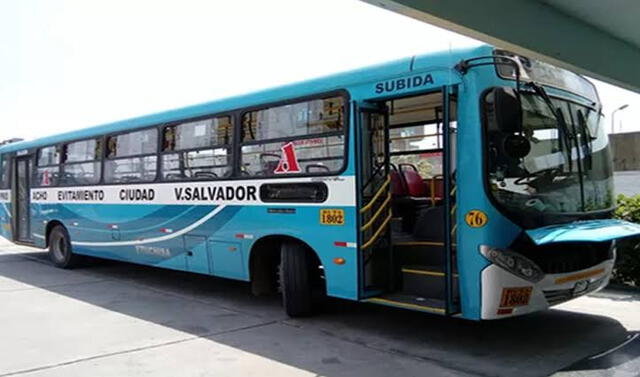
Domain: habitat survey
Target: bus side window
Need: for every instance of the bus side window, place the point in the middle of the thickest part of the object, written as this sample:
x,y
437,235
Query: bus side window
x,y
47,170
81,162
131,157
197,150
299,138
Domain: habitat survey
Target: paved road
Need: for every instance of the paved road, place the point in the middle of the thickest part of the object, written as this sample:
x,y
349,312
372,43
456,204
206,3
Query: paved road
x,y
116,319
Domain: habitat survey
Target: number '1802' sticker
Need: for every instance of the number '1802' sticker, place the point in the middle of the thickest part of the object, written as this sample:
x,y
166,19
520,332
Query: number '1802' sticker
x,y
332,216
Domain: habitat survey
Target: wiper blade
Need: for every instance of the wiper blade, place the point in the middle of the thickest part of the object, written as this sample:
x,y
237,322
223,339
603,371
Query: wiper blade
x,y
587,138
566,133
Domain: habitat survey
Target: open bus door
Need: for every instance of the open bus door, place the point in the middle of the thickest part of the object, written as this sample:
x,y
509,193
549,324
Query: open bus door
x,y
407,239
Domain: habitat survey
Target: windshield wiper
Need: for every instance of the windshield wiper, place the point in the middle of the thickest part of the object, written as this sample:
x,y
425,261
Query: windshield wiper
x,y
587,139
564,128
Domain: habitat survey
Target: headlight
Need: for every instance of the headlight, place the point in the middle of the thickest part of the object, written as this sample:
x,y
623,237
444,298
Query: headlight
x,y
513,262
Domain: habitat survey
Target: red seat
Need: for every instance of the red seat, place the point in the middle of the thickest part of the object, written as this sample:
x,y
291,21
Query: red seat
x,y
415,185
397,186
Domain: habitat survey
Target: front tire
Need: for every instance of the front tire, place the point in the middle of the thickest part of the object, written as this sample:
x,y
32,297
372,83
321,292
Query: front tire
x,y
296,279
60,251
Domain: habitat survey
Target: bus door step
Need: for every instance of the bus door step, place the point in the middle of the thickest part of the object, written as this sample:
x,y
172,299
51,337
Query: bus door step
x,y
426,281
411,302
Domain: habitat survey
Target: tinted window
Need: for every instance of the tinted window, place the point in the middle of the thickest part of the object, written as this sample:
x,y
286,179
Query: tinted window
x,y
198,134
309,139
133,143
196,164
48,156
294,192
197,150
83,173
86,150
317,155
298,119
46,176
135,169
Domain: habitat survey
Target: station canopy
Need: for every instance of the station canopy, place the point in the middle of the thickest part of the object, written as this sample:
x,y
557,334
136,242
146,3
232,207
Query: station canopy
x,y
597,38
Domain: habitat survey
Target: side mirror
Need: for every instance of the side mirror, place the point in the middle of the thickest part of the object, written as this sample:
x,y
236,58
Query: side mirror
x,y
507,110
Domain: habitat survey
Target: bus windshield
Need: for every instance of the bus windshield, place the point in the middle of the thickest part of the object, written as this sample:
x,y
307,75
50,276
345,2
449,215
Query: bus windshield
x,y
567,170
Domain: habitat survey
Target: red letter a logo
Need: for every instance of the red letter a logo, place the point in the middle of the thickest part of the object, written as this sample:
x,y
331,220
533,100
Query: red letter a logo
x,y
288,162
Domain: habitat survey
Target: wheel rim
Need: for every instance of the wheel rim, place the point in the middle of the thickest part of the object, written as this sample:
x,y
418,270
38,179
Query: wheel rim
x,y
59,247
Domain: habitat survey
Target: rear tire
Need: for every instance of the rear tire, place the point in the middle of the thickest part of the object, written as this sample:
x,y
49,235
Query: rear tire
x,y
60,251
296,279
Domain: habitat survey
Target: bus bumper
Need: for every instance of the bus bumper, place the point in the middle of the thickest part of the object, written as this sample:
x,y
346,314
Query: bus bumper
x,y
506,295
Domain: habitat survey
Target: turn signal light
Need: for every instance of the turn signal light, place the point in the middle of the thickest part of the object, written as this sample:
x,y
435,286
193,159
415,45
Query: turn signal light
x,y
339,261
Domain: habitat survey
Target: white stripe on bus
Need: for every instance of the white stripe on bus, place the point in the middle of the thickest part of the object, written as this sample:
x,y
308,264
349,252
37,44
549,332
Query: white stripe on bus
x,y
149,240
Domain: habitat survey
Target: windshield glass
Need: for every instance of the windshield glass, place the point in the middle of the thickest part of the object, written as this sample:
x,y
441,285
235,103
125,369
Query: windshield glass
x,y
568,169
547,74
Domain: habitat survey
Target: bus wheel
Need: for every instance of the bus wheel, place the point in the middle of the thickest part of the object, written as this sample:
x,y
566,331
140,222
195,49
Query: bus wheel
x,y
60,248
296,279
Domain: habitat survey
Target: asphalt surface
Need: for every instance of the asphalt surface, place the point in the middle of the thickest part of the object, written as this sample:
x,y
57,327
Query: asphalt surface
x,y
118,319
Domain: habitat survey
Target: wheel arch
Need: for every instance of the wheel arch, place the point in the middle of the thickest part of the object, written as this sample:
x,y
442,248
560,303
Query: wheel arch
x,y
47,232
264,259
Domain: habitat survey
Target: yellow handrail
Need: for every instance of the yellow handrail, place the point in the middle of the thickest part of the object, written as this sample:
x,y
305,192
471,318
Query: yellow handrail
x,y
378,212
375,197
377,233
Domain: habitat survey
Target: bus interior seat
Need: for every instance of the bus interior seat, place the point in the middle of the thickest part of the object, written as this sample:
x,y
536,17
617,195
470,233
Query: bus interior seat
x,y
174,176
397,185
404,204
205,174
318,167
416,186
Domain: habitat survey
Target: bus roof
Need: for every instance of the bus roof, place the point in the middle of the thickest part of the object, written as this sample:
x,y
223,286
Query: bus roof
x,y
317,85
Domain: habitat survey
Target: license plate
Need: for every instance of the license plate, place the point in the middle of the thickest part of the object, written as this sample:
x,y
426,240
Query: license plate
x,y
332,216
512,297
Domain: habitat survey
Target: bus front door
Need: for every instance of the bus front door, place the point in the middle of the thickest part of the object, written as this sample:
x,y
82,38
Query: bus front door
x,y
407,202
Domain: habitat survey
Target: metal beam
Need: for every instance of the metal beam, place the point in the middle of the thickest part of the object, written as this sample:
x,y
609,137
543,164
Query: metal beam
x,y
534,29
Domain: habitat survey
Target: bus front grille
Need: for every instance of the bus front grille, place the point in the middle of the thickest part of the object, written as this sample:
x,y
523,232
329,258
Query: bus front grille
x,y
558,296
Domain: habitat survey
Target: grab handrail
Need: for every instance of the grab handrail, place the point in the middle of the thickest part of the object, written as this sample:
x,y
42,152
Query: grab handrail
x,y
378,232
375,215
375,197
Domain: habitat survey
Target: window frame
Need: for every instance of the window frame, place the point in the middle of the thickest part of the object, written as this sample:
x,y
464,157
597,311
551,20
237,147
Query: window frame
x,y
34,169
102,139
236,115
231,156
346,103
105,158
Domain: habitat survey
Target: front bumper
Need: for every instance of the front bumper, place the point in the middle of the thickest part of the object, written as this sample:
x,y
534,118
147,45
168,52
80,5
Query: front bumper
x,y
553,289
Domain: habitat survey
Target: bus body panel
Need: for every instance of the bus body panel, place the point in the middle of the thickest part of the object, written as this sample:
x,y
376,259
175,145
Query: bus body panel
x,y
5,214
202,238
498,230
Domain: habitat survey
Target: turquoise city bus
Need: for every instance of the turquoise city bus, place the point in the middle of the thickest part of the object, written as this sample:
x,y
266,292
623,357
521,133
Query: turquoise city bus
x,y
473,183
